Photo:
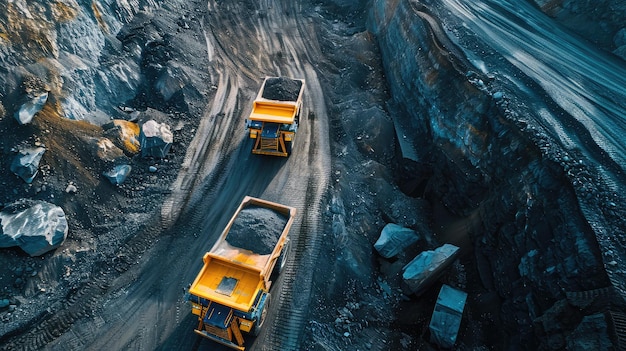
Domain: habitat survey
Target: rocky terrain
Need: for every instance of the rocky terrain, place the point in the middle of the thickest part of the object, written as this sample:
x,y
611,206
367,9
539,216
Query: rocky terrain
x,y
487,126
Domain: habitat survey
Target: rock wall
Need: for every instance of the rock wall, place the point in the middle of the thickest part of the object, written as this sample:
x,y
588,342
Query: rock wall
x,y
66,43
600,21
532,243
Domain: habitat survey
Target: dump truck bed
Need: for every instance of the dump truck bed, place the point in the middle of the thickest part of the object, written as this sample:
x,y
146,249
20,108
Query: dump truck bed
x,y
270,111
278,100
234,275
227,283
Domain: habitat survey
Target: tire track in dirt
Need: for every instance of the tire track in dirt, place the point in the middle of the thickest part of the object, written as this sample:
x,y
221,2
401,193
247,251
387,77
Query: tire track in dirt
x,y
292,310
195,165
82,302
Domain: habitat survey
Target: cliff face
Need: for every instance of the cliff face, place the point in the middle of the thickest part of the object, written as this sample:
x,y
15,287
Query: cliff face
x,y
601,22
532,208
69,43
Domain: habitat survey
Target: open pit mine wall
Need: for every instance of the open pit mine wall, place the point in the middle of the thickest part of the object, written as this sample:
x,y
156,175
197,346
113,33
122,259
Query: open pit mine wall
x,y
77,47
532,243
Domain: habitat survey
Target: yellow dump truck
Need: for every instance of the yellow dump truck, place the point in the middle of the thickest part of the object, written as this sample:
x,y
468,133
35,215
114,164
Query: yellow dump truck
x,y
275,115
231,294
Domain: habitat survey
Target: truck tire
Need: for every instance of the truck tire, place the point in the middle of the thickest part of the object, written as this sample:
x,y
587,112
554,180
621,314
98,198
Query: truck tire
x,y
288,147
260,320
281,261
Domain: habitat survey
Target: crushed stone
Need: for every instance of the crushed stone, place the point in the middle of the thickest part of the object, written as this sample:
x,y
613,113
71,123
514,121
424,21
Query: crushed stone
x,y
257,229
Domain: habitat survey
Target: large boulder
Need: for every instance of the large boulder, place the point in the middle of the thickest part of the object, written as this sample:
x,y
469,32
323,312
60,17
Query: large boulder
x,y
447,316
35,226
106,150
124,134
171,80
594,333
619,40
26,164
393,239
427,267
30,106
155,139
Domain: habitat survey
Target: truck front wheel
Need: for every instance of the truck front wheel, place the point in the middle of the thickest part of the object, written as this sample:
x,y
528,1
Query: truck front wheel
x,y
288,147
259,321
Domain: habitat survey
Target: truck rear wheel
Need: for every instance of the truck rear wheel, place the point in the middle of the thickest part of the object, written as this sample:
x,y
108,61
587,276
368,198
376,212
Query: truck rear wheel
x,y
260,320
281,261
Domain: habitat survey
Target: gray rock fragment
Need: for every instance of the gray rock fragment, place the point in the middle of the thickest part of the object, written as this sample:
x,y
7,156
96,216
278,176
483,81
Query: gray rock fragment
x,y
71,189
155,139
171,81
118,174
30,107
35,226
427,267
446,318
25,164
393,239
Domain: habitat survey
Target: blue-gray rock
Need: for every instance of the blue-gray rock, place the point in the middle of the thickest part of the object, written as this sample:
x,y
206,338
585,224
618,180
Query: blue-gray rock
x,y
25,164
155,139
30,107
620,38
592,333
427,267
446,318
35,226
620,51
393,239
171,81
118,174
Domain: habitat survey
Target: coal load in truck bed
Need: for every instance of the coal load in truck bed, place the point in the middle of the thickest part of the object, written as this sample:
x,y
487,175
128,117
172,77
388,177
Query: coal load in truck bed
x,y
282,89
256,229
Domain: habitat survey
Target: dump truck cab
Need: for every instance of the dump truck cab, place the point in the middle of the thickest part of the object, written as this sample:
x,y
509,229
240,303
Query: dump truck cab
x,y
275,116
231,293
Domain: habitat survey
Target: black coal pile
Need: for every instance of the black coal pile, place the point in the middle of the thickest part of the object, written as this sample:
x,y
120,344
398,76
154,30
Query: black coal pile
x,y
256,229
282,89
